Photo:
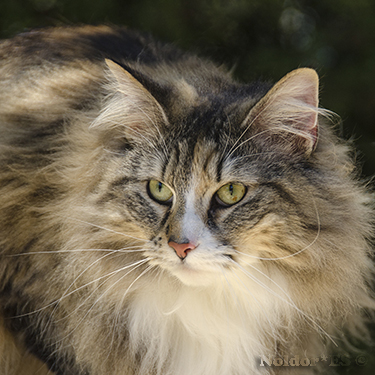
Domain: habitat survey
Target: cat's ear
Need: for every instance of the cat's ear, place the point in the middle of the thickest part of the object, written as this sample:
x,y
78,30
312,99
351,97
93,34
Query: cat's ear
x,y
288,114
130,111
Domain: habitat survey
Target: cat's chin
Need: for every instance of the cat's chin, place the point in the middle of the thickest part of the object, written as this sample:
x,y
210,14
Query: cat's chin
x,y
193,277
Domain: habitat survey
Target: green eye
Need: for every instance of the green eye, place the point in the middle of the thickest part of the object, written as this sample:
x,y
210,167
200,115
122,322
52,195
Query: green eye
x,y
230,194
160,192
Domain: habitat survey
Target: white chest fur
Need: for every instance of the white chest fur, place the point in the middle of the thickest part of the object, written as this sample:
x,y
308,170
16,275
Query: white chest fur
x,y
220,330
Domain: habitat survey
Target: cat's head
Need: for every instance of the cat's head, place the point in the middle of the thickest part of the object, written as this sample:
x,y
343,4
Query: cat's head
x,y
229,179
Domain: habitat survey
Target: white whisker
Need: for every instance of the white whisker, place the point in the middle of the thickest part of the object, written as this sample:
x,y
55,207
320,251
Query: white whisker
x,y
299,251
271,280
255,300
80,275
227,139
103,294
79,288
247,140
123,250
126,292
290,303
108,230
106,277
234,148
257,154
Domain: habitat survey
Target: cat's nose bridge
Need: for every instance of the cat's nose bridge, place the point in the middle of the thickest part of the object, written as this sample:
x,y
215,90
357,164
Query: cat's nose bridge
x,y
184,227
178,239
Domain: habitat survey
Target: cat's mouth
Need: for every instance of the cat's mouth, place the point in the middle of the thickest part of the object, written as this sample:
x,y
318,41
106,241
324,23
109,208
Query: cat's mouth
x,y
198,272
193,263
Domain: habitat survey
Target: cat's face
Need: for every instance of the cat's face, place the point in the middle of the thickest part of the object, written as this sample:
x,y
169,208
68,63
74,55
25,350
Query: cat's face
x,y
195,229
208,196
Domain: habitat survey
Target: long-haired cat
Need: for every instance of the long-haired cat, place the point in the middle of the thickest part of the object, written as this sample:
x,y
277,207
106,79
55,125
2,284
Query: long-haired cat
x,y
160,218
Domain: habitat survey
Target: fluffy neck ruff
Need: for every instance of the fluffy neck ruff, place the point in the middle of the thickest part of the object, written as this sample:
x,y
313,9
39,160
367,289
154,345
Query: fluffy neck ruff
x,y
219,330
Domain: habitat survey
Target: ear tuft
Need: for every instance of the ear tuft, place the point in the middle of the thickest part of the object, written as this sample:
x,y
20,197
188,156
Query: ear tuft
x,y
130,110
290,111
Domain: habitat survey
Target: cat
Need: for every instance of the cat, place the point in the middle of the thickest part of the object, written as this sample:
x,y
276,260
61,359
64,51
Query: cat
x,y
160,218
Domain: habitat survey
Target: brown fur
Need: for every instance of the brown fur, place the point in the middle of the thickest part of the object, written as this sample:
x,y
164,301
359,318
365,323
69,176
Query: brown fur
x,y
88,282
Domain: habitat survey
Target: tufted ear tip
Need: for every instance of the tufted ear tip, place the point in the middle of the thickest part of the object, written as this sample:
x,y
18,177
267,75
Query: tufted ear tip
x,y
130,110
126,82
110,64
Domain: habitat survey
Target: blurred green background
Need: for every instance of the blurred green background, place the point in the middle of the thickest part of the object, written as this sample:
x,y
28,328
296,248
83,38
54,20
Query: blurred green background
x,y
256,39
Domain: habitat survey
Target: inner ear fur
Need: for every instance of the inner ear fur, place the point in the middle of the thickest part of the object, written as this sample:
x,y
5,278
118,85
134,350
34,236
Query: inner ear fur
x,y
130,110
288,113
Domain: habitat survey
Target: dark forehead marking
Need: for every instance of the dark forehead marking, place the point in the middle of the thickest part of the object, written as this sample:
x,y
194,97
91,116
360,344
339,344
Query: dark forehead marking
x,y
212,159
184,154
201,121
120,182
207,123
172,162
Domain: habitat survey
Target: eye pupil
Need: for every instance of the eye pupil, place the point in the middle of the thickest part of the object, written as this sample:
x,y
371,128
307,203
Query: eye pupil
x,y
159,192
230,194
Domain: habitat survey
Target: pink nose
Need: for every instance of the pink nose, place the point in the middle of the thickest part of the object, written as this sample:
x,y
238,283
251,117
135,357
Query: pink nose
x,y
181,249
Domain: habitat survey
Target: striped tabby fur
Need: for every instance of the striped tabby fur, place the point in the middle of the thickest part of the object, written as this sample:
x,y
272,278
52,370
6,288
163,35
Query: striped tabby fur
x,y
91,279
